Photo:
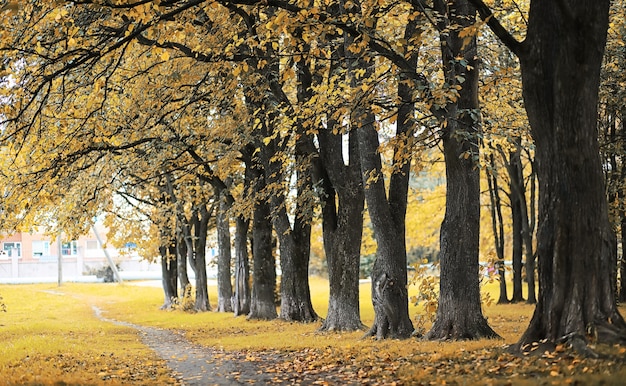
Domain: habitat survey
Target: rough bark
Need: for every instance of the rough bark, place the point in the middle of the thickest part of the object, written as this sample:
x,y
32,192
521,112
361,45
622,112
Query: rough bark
x,y
515,183
497,226
295,249
264,265
560,62
343,202
388,209
181,261
294,241
459,314
523,220
197,255
389,273
295,295
528,227
619,168
169,275
224,283
241,297
194,231
622,216
622,290
342,221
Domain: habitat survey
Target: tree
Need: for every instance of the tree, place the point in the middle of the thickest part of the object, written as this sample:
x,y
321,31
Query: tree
x,y
110,82
342,200
612,131
507,138
523,226
194,226
224,284
241,297
497,225
387,208
459,314
169,274
262,304
560,61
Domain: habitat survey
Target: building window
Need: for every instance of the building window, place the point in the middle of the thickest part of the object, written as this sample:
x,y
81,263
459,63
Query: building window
x,y
69,249
12,248
41,249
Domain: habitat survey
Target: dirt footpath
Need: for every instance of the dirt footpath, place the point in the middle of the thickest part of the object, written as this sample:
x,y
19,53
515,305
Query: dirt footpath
x,y
199,365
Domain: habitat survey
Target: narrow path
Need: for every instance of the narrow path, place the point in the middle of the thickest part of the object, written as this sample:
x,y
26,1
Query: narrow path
x,y
194,364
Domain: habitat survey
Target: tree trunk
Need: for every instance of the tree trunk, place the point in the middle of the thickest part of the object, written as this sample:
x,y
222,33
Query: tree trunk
x,y
169,275
241,298
264,265
622,216
622,292
295,250
194,231
387,209
528,224
295,295
224,283
523,225
389,272
342,221
515,185
200,230
621,197
560,62
497,226
459,314
294,241
183,277
342,205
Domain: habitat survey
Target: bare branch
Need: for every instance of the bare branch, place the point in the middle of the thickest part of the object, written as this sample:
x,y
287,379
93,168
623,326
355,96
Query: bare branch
x,y
497,28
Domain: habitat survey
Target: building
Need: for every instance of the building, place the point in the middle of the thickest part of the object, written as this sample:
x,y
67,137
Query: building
x,y
34,257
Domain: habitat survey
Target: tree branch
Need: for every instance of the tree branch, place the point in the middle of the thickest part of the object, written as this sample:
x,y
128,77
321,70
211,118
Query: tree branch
x,y
497,28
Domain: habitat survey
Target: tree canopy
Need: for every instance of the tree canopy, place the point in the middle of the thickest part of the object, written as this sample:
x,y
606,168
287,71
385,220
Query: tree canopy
x,y
166,115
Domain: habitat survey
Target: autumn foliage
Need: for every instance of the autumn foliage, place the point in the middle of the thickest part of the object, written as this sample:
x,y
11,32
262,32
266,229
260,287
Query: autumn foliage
x,y
378,131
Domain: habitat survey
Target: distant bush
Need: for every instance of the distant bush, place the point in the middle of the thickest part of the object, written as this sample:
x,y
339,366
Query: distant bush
x,y
105,272
366,264
420,254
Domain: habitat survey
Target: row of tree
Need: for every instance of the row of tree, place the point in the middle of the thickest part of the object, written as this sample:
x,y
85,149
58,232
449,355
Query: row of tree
x,y
171,113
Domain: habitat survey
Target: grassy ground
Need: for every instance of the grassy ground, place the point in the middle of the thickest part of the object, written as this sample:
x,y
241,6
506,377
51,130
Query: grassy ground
x,y
47,338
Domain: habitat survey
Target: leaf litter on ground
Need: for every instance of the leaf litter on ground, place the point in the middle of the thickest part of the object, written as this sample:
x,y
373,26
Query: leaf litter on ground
x,y
233,350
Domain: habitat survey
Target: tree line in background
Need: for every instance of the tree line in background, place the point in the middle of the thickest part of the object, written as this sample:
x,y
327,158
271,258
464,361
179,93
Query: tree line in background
x,y
264,119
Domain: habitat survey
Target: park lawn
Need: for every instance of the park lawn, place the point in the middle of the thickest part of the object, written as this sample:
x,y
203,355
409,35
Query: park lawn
x,y
48,338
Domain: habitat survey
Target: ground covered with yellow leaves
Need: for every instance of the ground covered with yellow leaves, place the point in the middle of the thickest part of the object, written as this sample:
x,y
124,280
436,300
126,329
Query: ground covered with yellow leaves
x,y
109,334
